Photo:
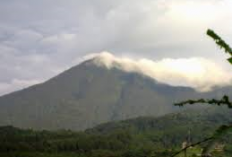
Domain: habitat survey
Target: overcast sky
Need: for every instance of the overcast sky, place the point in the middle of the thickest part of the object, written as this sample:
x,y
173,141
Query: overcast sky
x,y
41,38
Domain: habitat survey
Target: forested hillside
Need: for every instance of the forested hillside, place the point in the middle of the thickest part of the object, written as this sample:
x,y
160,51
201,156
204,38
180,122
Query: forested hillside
x,y
145,136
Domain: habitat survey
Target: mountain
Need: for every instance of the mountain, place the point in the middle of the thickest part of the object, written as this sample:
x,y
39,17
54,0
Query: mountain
x,y
89,94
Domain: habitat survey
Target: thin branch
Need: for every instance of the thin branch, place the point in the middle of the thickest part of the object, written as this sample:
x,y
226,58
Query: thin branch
x,y
221,131
193,145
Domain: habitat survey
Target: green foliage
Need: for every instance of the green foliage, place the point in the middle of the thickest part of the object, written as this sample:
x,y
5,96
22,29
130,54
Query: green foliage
x,y
222,131
221,43
143,137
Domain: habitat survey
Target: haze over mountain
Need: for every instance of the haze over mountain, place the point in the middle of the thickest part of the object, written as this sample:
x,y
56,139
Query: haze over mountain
x,y
92,93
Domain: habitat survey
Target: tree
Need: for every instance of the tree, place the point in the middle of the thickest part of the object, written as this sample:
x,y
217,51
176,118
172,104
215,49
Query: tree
x,y
224,129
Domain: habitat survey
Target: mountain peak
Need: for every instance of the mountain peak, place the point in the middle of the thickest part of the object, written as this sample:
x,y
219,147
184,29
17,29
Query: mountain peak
x,y
87,95
102,89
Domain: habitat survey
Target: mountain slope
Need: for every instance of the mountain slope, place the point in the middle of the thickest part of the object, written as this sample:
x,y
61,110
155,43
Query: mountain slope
x,y
87,95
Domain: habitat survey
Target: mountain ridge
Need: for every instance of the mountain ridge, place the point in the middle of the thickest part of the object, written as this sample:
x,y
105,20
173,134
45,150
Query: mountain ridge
x,y
87,95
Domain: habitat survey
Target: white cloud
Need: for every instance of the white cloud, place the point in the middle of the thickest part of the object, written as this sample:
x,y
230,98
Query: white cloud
x,y
199,73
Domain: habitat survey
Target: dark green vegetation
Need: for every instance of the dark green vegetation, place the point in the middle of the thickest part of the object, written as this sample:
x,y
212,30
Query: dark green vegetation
x,y
221,43
88,95
140,137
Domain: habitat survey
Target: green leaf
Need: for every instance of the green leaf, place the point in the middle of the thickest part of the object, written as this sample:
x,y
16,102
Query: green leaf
x,y
219,41
230,60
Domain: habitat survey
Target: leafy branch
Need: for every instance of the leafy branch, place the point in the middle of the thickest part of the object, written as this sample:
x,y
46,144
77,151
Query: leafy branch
x,y
224,101
221,43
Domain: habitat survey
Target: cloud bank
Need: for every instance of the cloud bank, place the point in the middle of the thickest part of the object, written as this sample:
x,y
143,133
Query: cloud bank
x,y
199,73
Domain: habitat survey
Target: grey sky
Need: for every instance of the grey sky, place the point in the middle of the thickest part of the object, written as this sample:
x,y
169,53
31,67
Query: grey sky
x,y
40,38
